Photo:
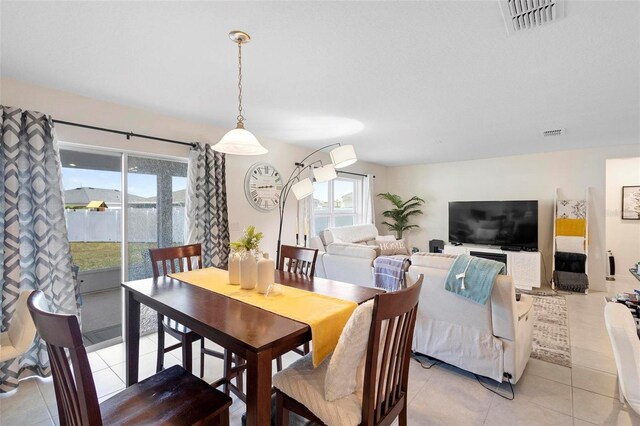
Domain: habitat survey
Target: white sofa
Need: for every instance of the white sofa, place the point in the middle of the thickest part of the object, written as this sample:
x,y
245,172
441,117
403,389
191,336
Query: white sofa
x,y
347,253
491,340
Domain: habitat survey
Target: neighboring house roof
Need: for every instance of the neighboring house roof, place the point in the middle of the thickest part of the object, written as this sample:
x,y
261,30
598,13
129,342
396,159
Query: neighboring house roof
x,y
84,195
96,205
178,197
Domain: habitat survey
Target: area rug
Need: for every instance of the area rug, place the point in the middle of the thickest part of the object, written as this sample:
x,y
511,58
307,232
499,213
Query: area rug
x,y
551,330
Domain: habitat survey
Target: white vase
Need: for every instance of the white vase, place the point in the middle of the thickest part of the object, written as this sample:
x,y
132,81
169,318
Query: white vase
x,y
266,268
248,271
234,269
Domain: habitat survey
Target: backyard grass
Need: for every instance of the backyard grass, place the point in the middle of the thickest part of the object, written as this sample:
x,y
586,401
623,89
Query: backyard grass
x,y
90,256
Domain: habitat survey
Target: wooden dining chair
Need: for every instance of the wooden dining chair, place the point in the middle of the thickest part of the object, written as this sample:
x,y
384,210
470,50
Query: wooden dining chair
x,y
385,376
170,260
173,396
298,260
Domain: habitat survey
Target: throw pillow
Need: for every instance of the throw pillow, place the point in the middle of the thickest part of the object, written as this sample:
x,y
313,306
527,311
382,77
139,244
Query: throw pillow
x,y
340,379
391,248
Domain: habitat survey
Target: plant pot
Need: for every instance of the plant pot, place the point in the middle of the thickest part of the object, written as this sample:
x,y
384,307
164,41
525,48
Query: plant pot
x,y
248,271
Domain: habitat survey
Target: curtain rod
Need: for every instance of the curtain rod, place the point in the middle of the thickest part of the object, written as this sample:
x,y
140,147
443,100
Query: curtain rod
x,y
129,135
354,174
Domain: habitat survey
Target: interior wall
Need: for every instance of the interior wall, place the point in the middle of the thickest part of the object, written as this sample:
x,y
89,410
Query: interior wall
x,y
623,236
524,177
70,107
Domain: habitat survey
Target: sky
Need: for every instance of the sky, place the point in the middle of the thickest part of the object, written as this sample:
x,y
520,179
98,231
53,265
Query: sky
x,y
139,184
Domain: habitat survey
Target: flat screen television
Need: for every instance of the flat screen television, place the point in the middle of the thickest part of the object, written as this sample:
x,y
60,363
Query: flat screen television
x,y
495,223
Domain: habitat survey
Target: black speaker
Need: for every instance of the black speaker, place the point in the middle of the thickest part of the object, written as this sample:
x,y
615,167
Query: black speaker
x,y
436,246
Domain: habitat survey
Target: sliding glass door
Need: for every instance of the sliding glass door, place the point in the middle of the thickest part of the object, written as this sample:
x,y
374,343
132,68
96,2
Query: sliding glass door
x,y
111,230
93,203
155,210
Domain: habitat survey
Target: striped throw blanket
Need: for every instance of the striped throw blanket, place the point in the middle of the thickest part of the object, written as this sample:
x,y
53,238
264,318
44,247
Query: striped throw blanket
x,y
389,272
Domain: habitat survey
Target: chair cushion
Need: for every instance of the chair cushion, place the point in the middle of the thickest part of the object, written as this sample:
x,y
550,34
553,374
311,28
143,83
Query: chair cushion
x,y
7,351
350,350
22,330
306,385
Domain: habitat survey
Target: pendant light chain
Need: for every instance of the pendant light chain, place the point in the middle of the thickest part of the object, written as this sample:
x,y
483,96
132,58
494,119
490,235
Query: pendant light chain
x,y
240,116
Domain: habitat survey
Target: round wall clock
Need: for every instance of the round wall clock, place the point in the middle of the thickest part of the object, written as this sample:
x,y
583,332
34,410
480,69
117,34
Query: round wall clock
x,y
262,186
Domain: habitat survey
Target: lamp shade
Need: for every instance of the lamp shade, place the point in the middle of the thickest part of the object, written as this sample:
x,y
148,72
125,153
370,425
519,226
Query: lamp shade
x,y
343,156
325,173
302,189
240,142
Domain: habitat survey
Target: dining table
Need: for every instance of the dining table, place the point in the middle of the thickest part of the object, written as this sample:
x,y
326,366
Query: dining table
x,y
254,334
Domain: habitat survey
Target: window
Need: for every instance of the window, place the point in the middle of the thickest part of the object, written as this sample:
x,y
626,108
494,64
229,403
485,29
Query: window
x,y
336,203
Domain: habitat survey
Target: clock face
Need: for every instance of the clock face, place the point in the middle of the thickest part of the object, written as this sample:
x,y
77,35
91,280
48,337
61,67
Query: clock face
x,y
262,186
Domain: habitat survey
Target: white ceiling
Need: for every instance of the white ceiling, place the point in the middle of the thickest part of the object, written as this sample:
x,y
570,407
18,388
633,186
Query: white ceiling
x,y
405,82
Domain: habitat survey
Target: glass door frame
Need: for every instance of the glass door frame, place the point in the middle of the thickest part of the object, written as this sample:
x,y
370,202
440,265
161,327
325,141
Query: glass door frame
x,y
124,162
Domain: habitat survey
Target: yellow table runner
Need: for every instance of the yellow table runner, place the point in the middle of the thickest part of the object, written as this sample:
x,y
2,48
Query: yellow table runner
x,y
325,315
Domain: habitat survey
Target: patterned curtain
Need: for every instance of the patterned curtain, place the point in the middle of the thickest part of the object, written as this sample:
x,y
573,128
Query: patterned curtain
x,y
36,251
206,205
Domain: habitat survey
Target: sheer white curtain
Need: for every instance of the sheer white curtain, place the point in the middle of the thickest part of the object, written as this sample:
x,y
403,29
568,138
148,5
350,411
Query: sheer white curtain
x,y
368,210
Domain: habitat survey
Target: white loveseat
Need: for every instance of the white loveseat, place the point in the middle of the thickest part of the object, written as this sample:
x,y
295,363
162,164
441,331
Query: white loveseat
x,y
491,340
347,253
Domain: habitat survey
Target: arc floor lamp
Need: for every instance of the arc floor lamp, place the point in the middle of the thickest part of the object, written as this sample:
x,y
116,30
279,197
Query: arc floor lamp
x,y
341,156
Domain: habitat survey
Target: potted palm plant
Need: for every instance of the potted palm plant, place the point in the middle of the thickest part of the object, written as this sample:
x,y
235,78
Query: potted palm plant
x,y
401,213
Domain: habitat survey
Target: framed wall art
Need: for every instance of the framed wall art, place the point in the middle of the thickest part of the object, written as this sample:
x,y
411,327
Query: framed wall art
x,y
631,202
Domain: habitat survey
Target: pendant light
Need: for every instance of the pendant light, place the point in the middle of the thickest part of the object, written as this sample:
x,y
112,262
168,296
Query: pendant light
x,y
239,141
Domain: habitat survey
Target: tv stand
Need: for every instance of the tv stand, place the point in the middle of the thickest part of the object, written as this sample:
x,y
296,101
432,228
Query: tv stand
x,y
523,266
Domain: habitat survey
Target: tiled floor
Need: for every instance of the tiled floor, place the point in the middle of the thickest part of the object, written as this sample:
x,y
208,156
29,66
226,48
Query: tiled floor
x,y
547,394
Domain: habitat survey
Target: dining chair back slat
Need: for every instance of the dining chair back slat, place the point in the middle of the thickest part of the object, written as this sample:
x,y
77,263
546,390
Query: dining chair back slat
x,y
298,260
175,257
388,354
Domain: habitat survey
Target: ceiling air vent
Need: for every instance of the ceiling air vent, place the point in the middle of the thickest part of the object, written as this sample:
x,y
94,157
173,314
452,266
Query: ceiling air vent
x,y
528,14
554,132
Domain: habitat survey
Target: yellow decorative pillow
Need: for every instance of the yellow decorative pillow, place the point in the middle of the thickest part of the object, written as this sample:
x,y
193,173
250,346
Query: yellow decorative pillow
x,y
571,227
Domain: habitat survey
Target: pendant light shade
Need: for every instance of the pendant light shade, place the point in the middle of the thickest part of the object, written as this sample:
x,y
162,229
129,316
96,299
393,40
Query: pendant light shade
x,y
325,173
343,156
240,142
302,189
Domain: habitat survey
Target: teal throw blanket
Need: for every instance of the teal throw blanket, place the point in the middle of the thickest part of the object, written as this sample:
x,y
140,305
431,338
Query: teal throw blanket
x,y
473,277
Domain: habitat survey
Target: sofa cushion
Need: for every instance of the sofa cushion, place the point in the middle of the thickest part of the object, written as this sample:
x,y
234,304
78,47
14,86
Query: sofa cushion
x,y
391,248
353,250
353,234
326,237
433,260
